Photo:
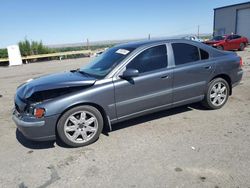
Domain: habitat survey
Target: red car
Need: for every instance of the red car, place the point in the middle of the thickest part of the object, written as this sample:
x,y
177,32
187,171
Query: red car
x,y
228,42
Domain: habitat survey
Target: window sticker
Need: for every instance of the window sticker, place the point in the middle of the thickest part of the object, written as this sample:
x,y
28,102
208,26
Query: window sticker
x,y
122,51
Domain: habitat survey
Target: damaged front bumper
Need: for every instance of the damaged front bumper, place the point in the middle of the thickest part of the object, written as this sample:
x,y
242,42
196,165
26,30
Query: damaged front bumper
x,y
43,129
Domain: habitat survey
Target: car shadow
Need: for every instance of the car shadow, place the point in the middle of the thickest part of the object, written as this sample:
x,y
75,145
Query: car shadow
x,y
33,144
122,125
158,115
38,144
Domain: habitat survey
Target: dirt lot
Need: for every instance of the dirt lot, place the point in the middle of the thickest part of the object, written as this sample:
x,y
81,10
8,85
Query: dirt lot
x,y
183,147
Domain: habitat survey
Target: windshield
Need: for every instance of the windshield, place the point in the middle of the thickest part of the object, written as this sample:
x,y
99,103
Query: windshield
x,y
217,38
104,63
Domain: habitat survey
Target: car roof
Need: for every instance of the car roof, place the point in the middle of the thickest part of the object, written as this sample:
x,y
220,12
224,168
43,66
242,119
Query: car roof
x,y
222,35
137,44
227,35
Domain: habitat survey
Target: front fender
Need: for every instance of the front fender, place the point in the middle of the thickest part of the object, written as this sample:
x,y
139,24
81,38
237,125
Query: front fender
x,y
101,95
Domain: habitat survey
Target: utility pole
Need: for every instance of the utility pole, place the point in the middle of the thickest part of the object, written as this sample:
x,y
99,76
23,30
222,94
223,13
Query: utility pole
x,y
198,31
87,43
149,37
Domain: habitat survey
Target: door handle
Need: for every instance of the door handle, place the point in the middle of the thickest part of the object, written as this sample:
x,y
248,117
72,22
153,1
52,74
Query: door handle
x,y
208,67
165,77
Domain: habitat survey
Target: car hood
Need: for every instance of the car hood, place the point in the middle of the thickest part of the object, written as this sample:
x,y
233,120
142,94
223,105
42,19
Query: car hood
x,y
211,42
54,81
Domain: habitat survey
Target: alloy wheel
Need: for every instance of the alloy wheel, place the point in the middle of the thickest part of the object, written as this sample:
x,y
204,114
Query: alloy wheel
x,y
81,126
218,94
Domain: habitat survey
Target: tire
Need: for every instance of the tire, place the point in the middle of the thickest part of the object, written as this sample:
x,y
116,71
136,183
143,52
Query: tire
x,y
220,47
242,47
80,126
210,101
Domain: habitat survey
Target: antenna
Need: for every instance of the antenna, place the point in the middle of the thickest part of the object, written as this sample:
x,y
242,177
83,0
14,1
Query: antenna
x,y
198,35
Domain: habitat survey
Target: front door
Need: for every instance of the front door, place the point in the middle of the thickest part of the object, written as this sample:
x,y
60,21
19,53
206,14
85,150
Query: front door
x,y
152,89
230,43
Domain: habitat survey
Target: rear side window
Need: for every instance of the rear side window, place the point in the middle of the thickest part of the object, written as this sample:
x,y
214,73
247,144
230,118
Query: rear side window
x,y
185,53
151,59
204,54
236,36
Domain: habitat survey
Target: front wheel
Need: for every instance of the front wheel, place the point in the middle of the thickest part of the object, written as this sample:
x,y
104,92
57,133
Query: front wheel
x,y
80,126
217,94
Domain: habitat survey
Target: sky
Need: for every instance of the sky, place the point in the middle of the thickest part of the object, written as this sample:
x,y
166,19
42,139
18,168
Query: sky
x,y
74,21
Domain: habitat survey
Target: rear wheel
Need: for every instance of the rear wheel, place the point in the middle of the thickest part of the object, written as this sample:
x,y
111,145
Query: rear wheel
x,y
242,46
80,126
220,48
217,94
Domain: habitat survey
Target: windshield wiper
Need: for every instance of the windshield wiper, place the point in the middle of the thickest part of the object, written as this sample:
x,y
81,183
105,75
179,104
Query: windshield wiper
x,y
84,73
76,70
81,72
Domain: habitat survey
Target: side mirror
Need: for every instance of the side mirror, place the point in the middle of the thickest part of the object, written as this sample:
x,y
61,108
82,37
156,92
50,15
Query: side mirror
x,y
130,73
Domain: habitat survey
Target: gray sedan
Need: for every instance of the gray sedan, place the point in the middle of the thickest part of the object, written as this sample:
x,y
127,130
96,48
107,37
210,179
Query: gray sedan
x,y
124,82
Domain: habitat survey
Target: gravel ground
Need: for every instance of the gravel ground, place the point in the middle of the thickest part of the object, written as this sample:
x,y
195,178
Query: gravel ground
x,y
183,147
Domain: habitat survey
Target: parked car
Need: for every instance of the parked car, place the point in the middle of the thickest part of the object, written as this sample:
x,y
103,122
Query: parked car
x,y
193,37
228,42
124,82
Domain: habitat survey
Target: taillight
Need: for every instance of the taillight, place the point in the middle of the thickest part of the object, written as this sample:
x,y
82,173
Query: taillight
x,y
39,112
241,62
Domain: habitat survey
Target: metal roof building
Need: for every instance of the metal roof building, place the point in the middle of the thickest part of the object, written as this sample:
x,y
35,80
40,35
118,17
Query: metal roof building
x,y
233,19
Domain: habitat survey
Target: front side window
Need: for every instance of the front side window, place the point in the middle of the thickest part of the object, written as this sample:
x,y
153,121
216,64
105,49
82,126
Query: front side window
x,y
104,63
230,37
151,59
185,53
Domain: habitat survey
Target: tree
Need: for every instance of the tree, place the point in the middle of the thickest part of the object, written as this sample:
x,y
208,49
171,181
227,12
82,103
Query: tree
x,y
3,53
32,48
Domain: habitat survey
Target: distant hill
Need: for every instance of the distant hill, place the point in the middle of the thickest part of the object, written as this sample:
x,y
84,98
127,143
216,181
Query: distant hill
x,y
108,42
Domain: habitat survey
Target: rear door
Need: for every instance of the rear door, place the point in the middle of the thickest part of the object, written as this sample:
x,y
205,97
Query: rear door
x,y
151,89
191,73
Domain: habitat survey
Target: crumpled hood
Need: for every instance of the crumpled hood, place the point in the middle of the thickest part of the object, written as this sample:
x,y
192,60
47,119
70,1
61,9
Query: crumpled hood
x,y
54,81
